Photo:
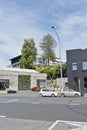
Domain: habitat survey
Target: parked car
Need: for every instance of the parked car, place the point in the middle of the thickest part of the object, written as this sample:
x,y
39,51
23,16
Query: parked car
x,y
70,92
48,92
36,89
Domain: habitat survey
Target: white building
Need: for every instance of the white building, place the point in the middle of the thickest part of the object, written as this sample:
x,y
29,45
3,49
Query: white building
x,y
21,79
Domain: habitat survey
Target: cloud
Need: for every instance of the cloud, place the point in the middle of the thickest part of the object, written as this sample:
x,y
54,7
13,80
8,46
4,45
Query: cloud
x,y
22,19
74,24
16,26
73,32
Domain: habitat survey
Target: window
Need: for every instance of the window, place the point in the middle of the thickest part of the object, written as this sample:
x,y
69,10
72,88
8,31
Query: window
x,y
74,66
41,82
84,65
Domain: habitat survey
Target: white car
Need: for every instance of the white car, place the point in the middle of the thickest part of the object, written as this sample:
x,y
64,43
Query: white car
x,y
70,92
48,92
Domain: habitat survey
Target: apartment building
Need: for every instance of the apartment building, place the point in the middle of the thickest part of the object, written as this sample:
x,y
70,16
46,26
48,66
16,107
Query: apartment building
x,y
40,60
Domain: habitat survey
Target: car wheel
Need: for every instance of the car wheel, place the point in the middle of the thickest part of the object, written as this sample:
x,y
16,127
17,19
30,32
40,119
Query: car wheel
x,y
62,95
52,95
40,95
76,95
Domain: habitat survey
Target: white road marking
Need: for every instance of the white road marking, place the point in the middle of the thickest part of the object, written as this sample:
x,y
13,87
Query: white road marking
x,y
11,101
73,122
53,125
81,125
34,103
7,100
2,116
72,104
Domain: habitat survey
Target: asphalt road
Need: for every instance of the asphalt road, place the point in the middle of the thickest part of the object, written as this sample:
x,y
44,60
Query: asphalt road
x,y
29,106
44,108
47,112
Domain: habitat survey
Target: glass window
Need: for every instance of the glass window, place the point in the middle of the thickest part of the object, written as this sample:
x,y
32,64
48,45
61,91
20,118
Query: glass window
x,y
74,66
84,65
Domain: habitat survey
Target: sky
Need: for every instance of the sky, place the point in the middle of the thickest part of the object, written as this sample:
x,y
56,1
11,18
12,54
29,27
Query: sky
x,y
20,19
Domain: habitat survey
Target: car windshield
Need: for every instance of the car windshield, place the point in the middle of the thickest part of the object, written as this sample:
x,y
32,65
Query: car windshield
x,y
70,90
49,90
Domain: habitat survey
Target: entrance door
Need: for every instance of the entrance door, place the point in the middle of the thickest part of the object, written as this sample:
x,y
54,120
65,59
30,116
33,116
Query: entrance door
x,y
85,83
75,82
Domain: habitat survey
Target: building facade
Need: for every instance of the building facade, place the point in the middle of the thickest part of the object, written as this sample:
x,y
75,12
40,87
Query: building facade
x,y
15,61
77,69
21,79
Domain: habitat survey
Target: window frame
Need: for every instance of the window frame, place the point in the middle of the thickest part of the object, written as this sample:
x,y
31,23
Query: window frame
x,y
74,66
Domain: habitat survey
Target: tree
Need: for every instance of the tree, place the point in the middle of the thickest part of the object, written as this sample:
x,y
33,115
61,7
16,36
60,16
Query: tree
x,y
53,72
28,55
64,70
48,45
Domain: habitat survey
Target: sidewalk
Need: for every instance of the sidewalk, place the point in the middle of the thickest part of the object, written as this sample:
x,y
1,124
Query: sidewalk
x,y
85,94
68,125
22,124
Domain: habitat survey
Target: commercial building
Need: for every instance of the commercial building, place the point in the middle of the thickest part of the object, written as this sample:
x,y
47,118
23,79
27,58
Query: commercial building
x,y
20,79
77,69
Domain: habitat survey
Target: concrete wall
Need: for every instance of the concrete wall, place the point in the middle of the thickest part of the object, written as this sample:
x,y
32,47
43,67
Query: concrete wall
x,y
64,81
57,83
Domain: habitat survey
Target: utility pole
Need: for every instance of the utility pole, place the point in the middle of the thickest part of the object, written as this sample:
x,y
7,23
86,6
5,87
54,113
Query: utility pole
x,y
59,57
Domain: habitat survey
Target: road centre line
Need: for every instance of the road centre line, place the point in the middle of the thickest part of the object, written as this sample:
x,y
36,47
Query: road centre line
x,y
74,104
35,103
11,101
2,116
7,100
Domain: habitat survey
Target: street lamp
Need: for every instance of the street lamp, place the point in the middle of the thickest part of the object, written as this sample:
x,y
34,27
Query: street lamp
x,y
59,57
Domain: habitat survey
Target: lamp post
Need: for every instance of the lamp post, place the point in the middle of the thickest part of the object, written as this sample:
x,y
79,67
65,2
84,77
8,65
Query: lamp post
x,y
59,57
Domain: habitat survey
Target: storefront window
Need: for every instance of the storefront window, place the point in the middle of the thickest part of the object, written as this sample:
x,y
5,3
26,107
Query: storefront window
x,y
41,83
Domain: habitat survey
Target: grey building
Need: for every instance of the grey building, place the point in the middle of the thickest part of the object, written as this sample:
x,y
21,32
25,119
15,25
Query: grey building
x,y
77,69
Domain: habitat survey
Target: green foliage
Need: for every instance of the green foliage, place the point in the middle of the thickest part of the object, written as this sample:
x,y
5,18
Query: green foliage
x,y
28,55
64,69
48,45
53,72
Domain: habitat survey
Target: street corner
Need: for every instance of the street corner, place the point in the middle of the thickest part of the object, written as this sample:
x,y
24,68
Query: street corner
x,y
68,125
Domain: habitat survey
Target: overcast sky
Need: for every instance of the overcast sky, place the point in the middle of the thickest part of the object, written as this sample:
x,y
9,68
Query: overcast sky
x,y
20,19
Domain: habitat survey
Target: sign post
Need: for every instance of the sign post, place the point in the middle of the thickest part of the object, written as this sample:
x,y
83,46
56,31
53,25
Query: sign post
x,y
79,82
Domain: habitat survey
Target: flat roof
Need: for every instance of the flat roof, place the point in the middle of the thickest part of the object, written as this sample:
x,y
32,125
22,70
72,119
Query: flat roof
x,y
18,70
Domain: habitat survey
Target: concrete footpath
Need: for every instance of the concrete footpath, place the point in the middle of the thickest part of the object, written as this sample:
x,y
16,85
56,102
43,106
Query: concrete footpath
x,y
21,124
68,125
